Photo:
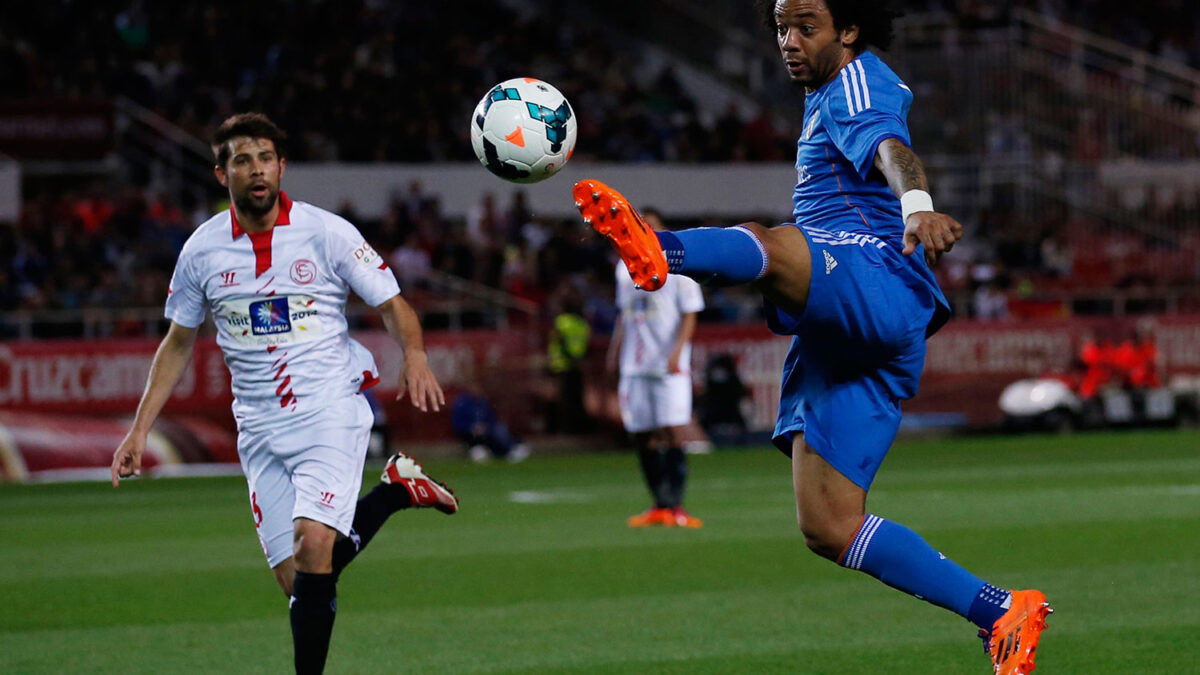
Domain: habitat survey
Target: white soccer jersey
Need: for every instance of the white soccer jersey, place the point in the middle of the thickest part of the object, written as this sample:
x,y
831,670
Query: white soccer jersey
x,y
651,322
278,300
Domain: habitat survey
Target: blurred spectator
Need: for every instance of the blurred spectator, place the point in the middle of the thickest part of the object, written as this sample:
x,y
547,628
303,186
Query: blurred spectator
x,y
411,263
991,303
474,420
720,407
1098,358
1136,359
567,345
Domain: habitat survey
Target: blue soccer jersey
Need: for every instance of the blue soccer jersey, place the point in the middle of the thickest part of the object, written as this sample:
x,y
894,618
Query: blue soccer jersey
x,y
859,345
844,123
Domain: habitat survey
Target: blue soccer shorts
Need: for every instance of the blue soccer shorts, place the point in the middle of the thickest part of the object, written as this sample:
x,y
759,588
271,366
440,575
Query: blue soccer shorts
x,y
858,351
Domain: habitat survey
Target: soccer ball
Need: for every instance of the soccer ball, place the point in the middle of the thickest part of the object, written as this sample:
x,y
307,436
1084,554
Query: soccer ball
x,y
523,130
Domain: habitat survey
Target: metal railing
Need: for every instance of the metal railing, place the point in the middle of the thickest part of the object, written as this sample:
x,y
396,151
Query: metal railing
x,y
1030,116
1099,302
160,155
445,301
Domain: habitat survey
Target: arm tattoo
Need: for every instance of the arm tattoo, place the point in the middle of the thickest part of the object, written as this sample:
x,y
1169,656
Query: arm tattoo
x,y
901,166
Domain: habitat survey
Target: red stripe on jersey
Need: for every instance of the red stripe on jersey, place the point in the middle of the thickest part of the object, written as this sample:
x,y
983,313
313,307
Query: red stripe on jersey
x,y
281,369
383,266
282,385
284,217
262,240
271,348
262,250
287,398
369,380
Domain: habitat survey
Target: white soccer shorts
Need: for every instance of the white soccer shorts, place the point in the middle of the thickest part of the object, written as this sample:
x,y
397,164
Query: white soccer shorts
x,y
655,402
312,468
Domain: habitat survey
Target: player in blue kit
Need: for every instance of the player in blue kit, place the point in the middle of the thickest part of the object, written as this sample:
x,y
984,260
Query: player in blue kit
x,y
851,281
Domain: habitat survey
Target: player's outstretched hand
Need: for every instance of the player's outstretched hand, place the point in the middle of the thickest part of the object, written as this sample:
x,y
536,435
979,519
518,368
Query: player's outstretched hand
x,y
127,460
936,231
418,380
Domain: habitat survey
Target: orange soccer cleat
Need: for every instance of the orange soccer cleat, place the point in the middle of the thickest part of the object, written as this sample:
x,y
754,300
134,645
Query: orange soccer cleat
x,y
652,516
608,212
1013,640
681,518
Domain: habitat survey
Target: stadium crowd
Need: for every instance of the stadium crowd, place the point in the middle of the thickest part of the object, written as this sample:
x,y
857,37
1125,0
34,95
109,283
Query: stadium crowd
x,y
377,89
112,245
327,84
98,248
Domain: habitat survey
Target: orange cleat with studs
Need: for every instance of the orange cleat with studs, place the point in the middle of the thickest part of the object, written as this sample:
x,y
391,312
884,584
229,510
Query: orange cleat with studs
x,y
608,212
1013,640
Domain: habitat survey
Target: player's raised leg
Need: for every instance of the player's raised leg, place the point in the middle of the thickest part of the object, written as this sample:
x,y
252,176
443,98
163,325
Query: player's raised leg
x,y
777,258
402,485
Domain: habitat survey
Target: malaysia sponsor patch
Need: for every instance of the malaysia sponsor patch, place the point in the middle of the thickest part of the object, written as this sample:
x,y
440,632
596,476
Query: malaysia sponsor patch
x,y
272,321
268,317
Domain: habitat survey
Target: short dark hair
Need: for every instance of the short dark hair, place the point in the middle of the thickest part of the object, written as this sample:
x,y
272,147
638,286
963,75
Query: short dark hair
x,y
252,125
873,17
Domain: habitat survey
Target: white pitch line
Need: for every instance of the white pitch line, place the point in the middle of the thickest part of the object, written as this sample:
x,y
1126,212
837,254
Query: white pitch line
x,y
564,496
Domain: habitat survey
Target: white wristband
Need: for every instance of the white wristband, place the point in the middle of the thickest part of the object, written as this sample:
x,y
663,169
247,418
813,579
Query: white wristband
x,y
914,201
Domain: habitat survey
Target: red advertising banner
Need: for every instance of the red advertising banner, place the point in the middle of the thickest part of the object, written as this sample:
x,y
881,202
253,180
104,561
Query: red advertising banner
x,y
103,377
57,128
968,364
106,377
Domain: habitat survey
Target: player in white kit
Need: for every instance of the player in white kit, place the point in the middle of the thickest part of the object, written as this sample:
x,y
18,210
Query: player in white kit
x,y
275,274
653,338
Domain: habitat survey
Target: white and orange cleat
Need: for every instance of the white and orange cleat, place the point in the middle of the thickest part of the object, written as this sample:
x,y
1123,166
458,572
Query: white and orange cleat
x,y
681,518
1013,640
425,491
608,212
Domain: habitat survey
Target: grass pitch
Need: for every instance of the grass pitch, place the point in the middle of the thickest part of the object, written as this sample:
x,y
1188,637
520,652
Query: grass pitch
x,y
539,574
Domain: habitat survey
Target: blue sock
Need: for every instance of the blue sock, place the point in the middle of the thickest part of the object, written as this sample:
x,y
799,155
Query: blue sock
x,y
719,256
900,558
989,605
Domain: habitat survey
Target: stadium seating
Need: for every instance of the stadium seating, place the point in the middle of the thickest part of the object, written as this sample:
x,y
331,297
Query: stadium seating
x,y
105,244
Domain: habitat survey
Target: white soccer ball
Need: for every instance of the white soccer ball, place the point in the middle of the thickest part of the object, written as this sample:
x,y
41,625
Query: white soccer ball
x,y
523,130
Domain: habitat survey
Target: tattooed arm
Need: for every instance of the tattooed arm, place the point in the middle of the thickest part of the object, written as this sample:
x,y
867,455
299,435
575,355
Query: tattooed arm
x,y
904,172
901,166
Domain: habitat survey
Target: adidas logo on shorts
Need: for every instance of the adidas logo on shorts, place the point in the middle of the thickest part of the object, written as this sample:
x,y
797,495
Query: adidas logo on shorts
x,y
830,263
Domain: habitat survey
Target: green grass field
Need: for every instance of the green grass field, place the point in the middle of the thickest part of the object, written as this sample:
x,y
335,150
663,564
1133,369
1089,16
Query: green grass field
x,y
539,574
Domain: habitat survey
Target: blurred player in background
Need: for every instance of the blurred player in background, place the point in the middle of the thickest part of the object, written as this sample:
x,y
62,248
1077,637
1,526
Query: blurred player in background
x,y
654,341
275,273
851,281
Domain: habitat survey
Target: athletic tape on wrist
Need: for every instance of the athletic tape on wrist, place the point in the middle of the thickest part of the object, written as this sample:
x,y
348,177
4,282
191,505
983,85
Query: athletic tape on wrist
x,y
914,201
